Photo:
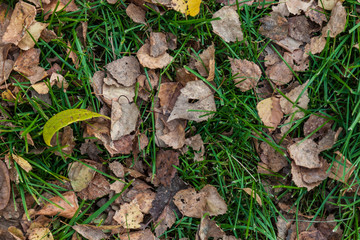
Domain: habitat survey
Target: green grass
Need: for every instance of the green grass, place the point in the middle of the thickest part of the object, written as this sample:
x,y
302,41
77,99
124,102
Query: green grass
x,y
231,160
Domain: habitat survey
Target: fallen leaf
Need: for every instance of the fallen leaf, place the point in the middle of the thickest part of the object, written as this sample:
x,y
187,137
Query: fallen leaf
x,y
59,5
327,4
139,235
183,76
97,83
189,7
209,229
124,70
59,80
299,28
97,188
16,233
124,118
115,92
305,153
197,144
297,6
80,176
173,134
152,62
24,164
229,26
190,203
316,234
288,107
246,74
197,96
66,141
166,219
65,209
215,205
90,232
168,94
289,44
206,64
158,44
72,55
117,168
117,186
48,35
275,26
5,64
316,45
337,22
129,215
272,159
32,35
270,112
145,200
165,171
5,189
282,9
137,14
21,19
40,234
314,122
65,118
341,169
253,194
279,73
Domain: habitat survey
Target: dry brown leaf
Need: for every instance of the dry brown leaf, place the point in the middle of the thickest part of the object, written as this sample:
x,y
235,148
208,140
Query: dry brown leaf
x,y
246,74
5,189
117,186
97,83
169,133
316,14
282,9
72,55
253,194
124,70
206,64
299,28
124,119
190,203
341,169
64,210
229,26
32,35
317,44
22,163
196,95
288,107
59,80
90,232
165,171
139,235
97,188
289,44
129,215
117,168
115,92
297,6
40,234
209,229
21,19
270,112
314,122
137,14
197,144
66,141
166,219
152,62
80,176
59,5
275,26
112,1
337,22
327,4
144,200
271,159
305,153
6,65
279,73
158,44
168,94
183,76
215,205
48,35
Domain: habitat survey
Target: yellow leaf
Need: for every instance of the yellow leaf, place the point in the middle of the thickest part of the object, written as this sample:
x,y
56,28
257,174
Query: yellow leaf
x,y
188,7
65,118
22,163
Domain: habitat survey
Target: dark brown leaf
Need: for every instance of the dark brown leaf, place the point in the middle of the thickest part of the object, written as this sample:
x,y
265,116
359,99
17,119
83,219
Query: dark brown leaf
x,y
165,171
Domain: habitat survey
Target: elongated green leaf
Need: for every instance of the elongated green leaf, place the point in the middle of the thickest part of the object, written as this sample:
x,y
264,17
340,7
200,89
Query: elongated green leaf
x,y
64,118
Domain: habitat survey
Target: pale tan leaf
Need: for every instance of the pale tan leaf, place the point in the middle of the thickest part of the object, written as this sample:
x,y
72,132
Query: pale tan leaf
x,y
22,163
80,176
341,169
152,62
32,35
337,22
270,112
137,14
129,215
253,194
229,26
246,74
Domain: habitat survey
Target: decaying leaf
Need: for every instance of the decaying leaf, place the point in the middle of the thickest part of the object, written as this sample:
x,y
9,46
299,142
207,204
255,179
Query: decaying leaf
x,y
24,164
299,28
21,19
229,26
271,159
183,76
139,235
5,64
197,144
129,215
275,26
165,171
58,5
80,176
166,219
66,140
317,44
341,169
270,112
190,203
124,70
305,153
117,186
196,95
246,74
168,94
209,229
316,14
117,168
16,233
289,44
314,122
253,194
158,44
124,119
97,188
5,189
90,232
137,14
40,233
297,6
279,73
206,64
111,91
152,62
32,35
337,22
63,208
215,205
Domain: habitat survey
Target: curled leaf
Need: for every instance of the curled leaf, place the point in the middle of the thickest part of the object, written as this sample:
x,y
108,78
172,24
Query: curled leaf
x,y
64,118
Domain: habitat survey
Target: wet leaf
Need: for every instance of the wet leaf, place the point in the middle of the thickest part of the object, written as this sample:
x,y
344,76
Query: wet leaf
x,y
65,118
63,208
229,26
